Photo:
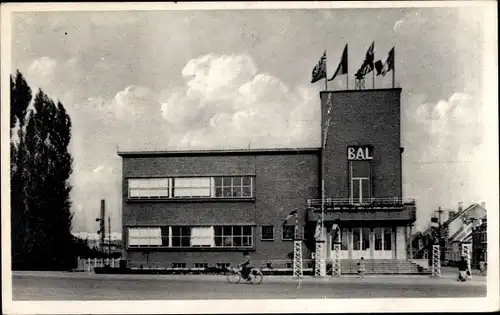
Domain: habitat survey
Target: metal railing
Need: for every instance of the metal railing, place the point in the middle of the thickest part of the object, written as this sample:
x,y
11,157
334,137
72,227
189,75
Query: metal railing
x,y
387,202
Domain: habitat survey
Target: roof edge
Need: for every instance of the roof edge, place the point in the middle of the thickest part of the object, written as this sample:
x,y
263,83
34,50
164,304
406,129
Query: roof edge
x,y
217,152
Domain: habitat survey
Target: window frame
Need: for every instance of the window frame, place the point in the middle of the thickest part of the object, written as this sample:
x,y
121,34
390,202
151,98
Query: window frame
x,y
360,199
262,233
130,187
245,184
283,232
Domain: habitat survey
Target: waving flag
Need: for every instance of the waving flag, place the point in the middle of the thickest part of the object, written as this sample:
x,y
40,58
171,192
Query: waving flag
x,y
319,71
342,68
384,67
368,65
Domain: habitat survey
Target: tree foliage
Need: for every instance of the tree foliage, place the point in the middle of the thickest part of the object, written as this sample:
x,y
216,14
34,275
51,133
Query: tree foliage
x,y
41,166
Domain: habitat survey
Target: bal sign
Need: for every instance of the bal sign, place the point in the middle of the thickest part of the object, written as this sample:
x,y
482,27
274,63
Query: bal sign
x,y
359,153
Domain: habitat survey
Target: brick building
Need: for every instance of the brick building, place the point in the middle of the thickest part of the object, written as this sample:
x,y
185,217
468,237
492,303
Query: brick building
x,y
199,208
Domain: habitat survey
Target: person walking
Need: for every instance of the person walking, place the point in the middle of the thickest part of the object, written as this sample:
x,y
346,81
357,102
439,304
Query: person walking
x,y
482,267
361,267
462,270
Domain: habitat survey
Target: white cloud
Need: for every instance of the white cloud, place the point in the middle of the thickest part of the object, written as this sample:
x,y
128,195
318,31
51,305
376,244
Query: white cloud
x,y
227,103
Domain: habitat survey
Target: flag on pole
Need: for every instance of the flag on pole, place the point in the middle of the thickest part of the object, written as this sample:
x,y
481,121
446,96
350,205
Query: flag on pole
x,y
290,215
384,67
367,65
319,71
342,68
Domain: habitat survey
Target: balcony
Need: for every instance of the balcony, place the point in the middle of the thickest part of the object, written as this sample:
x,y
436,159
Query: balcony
x,y
373,209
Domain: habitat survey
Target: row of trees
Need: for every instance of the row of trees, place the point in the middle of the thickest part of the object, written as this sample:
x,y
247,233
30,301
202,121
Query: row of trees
x,y
41,165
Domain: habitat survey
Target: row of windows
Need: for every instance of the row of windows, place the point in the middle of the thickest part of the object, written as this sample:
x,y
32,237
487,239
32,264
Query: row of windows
x,y
206,236
234,186
191,187
361,238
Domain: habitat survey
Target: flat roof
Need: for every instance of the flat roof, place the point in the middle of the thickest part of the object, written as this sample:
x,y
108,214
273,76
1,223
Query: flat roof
x,y
219,152
365,90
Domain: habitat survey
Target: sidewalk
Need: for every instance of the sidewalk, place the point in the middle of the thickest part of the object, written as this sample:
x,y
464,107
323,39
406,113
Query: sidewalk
x,y
446,278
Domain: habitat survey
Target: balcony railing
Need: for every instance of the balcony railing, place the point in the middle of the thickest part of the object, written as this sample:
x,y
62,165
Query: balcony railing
x,y
368,202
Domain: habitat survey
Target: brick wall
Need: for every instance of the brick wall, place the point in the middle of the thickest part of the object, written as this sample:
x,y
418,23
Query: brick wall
x,y
366,117
283,181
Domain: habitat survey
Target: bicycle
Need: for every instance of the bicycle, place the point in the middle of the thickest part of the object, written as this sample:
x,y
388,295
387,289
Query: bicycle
x,y
233,275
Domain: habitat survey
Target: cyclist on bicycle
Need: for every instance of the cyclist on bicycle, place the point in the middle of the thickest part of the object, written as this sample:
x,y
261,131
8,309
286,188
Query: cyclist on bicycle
x,y
245,266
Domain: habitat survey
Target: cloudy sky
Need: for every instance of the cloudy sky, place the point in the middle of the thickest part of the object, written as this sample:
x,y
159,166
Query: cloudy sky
x,y
163,80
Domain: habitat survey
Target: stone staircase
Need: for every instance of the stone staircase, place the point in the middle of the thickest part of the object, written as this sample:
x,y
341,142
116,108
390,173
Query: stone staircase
x,y
382,266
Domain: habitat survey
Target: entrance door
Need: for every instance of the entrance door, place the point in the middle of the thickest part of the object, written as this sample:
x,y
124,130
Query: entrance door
x,y
344,239
383,243
360,243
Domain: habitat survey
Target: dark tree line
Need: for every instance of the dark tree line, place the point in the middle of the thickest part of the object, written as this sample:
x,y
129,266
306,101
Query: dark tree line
x,y
40,189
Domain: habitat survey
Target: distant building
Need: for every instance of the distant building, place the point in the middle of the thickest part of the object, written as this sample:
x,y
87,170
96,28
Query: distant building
x,y
479,243
189,209
93,240
457,230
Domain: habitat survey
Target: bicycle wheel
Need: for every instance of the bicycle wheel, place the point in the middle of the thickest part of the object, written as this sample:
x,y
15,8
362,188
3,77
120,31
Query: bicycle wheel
x,y
256,276
233,277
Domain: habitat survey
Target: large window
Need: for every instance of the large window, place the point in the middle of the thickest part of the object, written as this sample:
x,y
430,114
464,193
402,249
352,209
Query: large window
x,y
360,181
233,187
144,237
187,236
191,187
148,188
181,236
202,236
233,236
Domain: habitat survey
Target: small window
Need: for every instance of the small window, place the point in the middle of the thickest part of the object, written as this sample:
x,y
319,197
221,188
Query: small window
x,y
179,265
201,265
222,265
267,233
287,232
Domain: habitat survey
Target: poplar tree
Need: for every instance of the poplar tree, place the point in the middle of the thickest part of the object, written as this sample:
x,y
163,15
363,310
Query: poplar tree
x,y
20,99
41,166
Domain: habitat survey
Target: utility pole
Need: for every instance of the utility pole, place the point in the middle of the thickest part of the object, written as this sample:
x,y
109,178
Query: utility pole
x,y
109,236
440,212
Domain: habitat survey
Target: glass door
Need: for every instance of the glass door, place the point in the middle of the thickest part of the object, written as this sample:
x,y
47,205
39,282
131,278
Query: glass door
x,y
361,243
383,243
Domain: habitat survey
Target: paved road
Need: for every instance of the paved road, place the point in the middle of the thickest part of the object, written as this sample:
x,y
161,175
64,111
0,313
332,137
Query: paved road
x,y
79,286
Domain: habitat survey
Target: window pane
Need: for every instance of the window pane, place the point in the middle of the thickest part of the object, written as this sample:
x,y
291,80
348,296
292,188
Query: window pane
x,y
164,236
218,230
227,230
236,191
247,192
236,181
288,232
218,192
246,241
247,181
247,230
356,233
133,183
186,230
202,236
344,238
366,239
134,193
226,191
387,238
218,241
365,190
237,230
227,241
185,242
218,181
355,190
226,181
378,238
360,169
237,240
267,232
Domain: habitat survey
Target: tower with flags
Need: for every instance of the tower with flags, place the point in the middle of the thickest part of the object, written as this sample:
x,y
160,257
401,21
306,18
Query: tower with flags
x,y
298,209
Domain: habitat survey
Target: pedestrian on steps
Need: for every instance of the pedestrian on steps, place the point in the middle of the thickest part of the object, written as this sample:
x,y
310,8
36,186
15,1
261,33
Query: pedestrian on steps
x,y
361,267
